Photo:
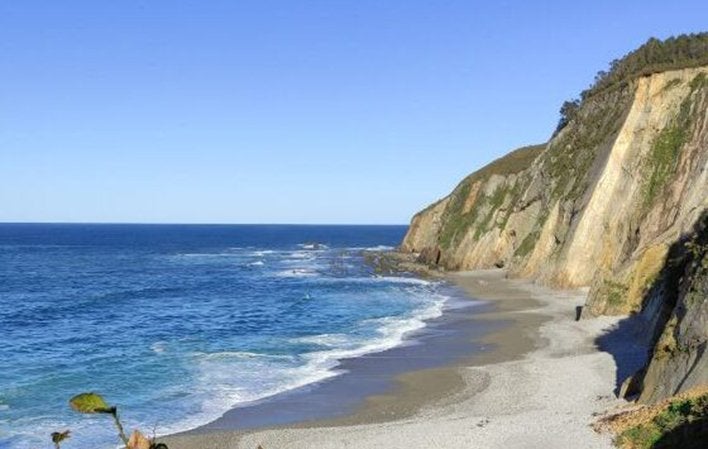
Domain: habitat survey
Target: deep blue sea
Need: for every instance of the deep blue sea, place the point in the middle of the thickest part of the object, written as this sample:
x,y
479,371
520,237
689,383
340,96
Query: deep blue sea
x,y
176,324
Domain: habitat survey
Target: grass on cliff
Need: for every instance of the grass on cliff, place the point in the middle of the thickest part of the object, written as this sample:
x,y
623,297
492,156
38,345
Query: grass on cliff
x,y
663,157
457,221
571,155
666,148
567,163
493,203
527,245
615,292
589,126
677,423
511,163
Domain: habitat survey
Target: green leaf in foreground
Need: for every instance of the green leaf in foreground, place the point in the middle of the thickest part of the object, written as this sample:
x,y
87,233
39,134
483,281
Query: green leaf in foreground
x,y
89,403
58,437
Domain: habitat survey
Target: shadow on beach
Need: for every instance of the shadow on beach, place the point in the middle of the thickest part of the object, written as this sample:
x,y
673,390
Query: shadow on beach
x,y
624,343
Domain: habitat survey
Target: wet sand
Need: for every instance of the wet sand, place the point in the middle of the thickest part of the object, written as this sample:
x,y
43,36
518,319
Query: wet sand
x,y
487,365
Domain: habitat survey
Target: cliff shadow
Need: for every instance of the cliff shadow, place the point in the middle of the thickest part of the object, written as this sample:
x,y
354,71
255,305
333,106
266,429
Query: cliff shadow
x,y
632,342
629,351
690,435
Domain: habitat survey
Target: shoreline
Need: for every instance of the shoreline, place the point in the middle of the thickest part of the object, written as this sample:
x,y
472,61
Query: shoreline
x,y
434,387
443,342
526,381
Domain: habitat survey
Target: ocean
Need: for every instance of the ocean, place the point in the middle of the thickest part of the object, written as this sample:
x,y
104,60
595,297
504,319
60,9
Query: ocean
x,y
176,324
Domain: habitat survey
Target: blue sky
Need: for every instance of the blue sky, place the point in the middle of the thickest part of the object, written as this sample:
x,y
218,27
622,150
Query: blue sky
x,y
288,111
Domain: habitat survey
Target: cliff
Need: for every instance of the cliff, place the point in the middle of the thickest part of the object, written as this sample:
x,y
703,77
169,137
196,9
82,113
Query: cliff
x,y
677,313
602,205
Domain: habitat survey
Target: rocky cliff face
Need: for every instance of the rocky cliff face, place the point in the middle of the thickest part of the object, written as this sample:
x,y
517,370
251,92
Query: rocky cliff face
x,y
601,205
676,318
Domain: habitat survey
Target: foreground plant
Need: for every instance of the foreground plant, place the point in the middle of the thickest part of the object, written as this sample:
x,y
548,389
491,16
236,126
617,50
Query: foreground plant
x,y
92,403
58,437
680,422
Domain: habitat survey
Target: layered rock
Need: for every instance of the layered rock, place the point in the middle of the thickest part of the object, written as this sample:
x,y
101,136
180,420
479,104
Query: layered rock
x,y
676,311
601,205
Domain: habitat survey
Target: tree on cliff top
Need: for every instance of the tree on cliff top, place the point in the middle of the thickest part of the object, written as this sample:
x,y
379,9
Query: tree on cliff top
x,y
680,52
686,50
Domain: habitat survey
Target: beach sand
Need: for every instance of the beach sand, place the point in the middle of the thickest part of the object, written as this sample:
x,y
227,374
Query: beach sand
x,y
540,385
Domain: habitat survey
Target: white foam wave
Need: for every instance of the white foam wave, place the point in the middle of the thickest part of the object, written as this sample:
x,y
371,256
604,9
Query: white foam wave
x,y
300,255
313,246
237,378
261,253
372,248
159,347
223,385
258,263
239,355
324,339
382,279
400,280
208,255
391,333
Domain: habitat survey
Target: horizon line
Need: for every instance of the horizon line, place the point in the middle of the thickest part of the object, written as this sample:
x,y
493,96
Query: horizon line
x,y
190,224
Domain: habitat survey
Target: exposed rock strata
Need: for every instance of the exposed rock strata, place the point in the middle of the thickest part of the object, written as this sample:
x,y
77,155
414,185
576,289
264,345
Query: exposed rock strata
x,y
677,313
601,205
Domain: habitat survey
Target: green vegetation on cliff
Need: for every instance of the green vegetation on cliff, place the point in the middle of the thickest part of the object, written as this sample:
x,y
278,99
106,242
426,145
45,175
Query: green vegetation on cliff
x,y
608,204
680,52
667,146
511,163
457,220
677,358
572,153
615,293
527,244
559,176
681,423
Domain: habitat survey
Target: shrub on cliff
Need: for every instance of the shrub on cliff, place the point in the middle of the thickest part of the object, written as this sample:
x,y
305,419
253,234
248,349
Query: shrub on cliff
x,y
683,51
680,52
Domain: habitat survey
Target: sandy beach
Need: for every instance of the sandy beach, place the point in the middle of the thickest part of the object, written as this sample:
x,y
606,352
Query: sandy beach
x,y
540,384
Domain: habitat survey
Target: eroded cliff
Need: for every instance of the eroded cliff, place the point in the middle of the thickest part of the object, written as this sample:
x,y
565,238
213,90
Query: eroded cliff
x,y
676,317
601,205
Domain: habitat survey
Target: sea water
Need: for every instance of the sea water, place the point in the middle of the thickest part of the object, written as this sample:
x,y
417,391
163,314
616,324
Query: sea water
x,y
176,324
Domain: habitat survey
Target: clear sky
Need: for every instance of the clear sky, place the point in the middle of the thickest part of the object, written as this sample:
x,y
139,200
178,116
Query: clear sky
x,y
331,111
